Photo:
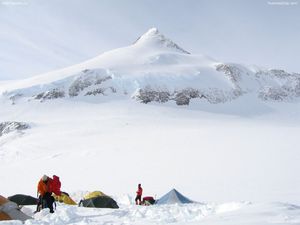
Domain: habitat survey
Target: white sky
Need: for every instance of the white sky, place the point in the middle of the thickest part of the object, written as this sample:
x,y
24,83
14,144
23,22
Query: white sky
x,y
38,36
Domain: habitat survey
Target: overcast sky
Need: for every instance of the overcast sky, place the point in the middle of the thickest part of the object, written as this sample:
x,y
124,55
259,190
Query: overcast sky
x,y
38,36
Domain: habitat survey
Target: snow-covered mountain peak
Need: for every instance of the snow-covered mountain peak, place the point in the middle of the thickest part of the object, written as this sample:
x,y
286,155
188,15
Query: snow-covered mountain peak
x,y
154,38
152,31
155,69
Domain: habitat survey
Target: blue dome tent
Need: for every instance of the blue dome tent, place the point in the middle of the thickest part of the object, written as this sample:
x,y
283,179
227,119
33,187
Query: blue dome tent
x,y
173,197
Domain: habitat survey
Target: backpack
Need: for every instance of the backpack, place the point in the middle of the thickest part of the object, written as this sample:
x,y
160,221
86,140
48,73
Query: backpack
x,y
55,185
149,200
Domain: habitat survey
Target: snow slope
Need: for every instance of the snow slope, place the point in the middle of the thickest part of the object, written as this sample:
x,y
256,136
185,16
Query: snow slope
x,y
146,50
210,156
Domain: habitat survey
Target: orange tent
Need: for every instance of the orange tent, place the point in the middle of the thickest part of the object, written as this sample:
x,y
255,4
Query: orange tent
x,y
11,211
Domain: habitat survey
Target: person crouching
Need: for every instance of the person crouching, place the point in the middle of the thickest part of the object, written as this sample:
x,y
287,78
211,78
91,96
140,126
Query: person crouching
x,y
44,189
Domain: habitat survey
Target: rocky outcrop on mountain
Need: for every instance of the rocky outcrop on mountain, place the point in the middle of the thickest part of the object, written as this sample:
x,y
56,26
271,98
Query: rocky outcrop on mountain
x,y
184,96
11,126
147,94
51,94
87,79
96,92
271,85
233,72
286,87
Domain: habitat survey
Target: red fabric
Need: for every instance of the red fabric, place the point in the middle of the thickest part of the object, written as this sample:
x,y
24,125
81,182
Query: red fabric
x,y
139,191
55,185
148,198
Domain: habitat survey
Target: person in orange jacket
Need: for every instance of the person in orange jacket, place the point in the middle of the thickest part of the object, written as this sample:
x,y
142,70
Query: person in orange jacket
x,y
44,189
138,198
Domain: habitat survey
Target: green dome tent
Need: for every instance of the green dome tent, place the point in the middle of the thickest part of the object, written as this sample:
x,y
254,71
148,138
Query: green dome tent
x,y
23,199
99,202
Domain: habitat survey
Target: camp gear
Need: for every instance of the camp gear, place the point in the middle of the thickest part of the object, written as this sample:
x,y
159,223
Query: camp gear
x,y
23,199
11,211
94,194
99,202
173,197
65,193
64,198
148,200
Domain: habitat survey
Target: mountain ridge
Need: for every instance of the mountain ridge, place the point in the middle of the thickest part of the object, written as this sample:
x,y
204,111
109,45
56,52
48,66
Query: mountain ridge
x,y
155,69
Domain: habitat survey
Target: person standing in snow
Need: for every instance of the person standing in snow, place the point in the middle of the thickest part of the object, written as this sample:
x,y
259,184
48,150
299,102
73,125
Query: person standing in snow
x,y
138,198
44,189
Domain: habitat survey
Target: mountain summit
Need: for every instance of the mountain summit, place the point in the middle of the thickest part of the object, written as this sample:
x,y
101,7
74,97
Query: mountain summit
x,y
155,38
155,69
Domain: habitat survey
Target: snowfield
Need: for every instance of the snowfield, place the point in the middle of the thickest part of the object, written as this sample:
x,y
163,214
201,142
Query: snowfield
x,y
225,135
245,163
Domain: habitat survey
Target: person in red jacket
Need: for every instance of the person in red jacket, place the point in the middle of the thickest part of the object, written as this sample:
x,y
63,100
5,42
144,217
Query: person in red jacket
x,y
55,185
138,198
